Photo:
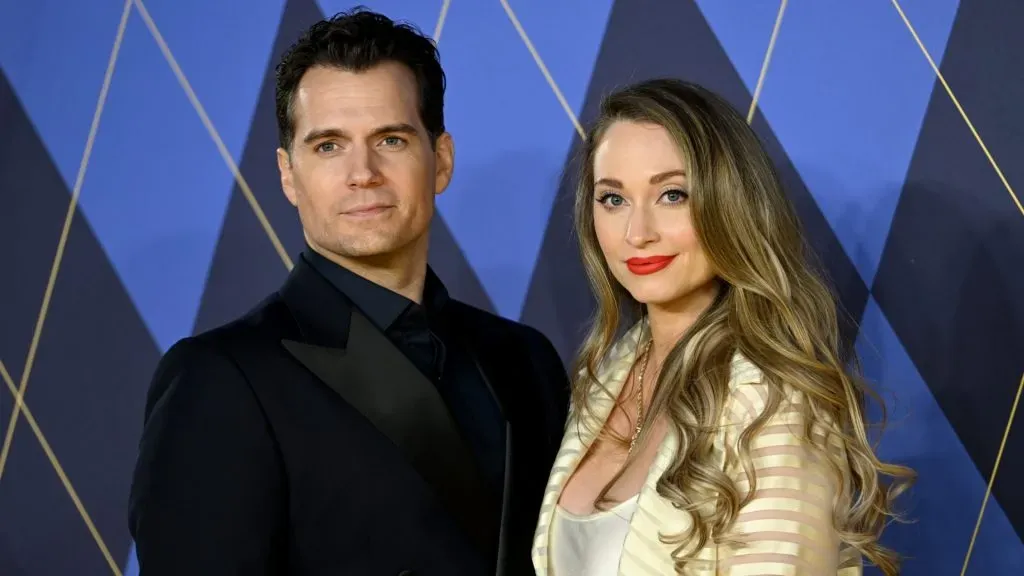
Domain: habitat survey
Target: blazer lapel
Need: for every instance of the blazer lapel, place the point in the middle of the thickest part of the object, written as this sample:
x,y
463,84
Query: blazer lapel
x,y
655,516
363,367
581,430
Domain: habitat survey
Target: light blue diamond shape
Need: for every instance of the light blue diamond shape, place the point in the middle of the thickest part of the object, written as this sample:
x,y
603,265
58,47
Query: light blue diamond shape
x,y
511,134
845,93
157,186
58,83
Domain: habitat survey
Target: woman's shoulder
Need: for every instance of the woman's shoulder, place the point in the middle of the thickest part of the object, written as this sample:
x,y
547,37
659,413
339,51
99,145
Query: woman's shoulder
x,y
743,372
750,391
751,394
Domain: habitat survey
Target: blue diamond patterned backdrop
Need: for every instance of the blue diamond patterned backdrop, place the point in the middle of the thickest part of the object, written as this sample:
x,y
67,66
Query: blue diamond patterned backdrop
x,y
918,225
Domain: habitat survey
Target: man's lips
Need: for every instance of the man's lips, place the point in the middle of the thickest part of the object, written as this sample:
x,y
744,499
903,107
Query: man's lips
x,y
649,265
367,210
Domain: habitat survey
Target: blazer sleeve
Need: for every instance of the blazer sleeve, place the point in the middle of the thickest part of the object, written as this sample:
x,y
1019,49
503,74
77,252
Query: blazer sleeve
x,y
555,387
787,528
207,490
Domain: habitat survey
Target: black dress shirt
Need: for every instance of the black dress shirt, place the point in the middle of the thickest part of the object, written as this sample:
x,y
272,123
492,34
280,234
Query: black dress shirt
x,y
424,334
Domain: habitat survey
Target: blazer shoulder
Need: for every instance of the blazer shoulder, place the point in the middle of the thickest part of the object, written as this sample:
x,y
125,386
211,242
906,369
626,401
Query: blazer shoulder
x,y
750,394
187,369
531,344
268,321
743,371
485,322
222,349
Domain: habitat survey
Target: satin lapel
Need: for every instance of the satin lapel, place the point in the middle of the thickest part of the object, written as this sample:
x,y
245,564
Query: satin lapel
x,y
375,378
658,515
581,430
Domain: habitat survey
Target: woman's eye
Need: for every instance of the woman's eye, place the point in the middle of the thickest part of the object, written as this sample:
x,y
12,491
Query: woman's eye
x,y
675,196
611,200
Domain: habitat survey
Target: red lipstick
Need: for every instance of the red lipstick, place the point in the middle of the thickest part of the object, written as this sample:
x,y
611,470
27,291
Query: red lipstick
x,y
649,265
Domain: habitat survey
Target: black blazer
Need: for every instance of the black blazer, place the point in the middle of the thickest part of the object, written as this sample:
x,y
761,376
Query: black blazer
x,y
298,440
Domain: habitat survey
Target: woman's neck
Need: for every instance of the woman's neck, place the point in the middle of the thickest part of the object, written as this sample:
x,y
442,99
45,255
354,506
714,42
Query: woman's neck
x,y
669,322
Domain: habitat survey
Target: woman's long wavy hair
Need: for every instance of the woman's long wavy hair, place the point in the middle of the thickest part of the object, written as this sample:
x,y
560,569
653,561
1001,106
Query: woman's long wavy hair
x,y
773,308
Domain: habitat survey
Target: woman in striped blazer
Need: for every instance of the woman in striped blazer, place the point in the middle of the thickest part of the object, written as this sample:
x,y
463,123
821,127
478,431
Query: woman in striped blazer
x,y
723,433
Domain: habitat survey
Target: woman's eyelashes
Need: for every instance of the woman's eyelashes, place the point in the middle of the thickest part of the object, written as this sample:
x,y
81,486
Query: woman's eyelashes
x,y
675,196
610,199
614,200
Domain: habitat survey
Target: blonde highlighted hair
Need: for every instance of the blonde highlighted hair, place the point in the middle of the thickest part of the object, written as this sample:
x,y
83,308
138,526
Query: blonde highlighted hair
x,y
773,308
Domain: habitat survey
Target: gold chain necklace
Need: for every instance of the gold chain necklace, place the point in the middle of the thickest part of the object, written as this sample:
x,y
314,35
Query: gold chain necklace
x,y
638,379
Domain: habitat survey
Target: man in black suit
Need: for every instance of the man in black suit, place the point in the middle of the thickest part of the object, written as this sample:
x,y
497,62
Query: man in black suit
x,y
358,421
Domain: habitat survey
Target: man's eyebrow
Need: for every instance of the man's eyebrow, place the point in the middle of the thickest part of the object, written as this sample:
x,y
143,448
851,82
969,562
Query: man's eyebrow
x,y
324,133
399,128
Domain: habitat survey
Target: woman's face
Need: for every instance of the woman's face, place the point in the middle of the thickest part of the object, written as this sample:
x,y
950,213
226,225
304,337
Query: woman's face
x,y
642,216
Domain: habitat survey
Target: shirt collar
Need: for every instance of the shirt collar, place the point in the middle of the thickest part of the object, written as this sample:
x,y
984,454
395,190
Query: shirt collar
x,y
382,306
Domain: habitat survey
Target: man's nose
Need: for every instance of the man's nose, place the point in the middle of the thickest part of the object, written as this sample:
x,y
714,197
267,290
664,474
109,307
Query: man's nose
x,y
363,168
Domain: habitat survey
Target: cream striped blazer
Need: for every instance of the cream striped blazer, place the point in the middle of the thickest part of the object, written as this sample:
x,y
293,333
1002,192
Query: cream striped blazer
x,y
786,528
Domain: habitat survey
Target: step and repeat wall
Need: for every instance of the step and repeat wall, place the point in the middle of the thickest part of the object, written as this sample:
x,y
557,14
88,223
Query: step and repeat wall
x,y
140,203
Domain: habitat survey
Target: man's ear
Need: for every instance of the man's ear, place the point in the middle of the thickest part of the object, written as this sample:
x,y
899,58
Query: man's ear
x,y
444,160
284,166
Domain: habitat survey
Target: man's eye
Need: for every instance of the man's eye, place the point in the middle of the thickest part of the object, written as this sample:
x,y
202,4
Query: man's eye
x,y
327,147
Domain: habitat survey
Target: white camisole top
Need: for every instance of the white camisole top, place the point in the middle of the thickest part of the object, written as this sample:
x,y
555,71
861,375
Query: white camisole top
x,y
590,545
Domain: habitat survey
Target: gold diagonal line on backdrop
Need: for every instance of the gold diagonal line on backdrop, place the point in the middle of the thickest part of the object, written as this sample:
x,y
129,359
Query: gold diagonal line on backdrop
x,y
440,21
217,140
62,241
764,64
1020,207
20,402
543,69
992,477
963,114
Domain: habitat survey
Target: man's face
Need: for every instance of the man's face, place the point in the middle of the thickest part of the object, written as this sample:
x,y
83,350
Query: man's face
x,y
362,172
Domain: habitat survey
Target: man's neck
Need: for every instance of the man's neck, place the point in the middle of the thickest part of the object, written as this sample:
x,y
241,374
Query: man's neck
x,y
404,273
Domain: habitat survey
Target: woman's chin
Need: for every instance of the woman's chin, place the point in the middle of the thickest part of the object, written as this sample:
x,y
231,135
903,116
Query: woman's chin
x,y
672,296
653,295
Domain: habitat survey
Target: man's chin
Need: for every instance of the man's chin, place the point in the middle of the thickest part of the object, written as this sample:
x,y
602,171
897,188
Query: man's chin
x,y
367,248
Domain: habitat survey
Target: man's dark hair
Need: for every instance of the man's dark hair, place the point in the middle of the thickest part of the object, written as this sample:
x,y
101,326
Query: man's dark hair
x,y
359,40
